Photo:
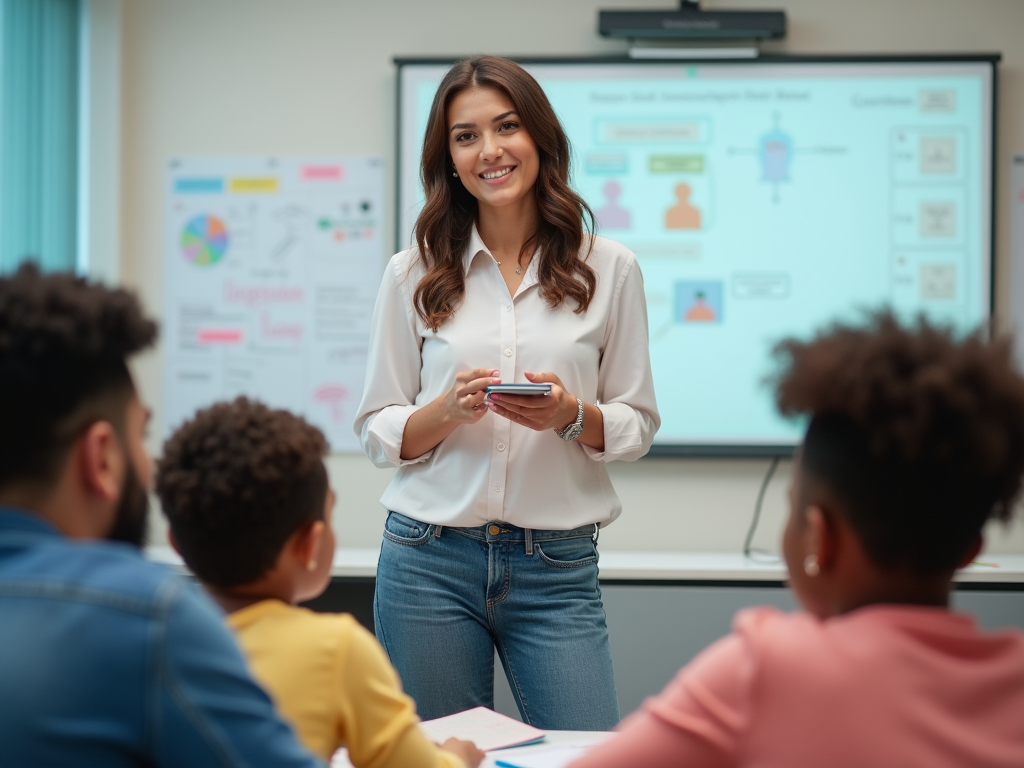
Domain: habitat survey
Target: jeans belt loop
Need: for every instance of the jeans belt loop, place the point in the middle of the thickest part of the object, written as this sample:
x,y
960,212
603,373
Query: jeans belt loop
x,y
437,531
529,542
597,532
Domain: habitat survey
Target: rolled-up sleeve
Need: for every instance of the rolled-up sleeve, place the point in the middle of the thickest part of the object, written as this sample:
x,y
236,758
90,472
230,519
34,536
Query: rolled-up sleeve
x,y
625,384
392,372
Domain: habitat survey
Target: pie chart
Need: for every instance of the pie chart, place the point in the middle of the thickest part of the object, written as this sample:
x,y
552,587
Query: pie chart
x,y
204,240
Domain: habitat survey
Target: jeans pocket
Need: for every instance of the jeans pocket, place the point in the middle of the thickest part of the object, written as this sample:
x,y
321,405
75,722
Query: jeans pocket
x,y
403,530
568,553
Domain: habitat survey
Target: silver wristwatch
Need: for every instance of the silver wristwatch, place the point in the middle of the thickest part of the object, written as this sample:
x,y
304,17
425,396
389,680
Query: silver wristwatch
x,y
574,430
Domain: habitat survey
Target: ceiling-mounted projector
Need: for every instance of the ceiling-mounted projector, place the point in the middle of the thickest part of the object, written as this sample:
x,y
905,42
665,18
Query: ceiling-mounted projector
x,y
691,23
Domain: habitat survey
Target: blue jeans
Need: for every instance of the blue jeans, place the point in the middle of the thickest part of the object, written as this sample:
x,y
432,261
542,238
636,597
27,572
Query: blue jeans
x,y
448,597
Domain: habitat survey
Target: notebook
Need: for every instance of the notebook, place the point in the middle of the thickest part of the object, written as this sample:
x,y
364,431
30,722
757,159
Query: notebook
x,y
484,727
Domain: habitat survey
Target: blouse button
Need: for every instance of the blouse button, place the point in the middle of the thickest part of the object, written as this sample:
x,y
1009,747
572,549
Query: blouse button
x,y
501,446
508,308
508,351
497,489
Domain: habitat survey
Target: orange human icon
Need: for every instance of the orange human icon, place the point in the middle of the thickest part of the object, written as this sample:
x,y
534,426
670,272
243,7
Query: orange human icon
x,y
682,215
700,311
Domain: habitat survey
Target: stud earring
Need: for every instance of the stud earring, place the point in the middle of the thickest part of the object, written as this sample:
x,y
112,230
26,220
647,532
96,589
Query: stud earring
x,y
455,173
811,567
311,565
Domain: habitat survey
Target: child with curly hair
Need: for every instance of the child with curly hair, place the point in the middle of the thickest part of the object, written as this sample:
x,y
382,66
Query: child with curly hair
x,y
246,494
915,440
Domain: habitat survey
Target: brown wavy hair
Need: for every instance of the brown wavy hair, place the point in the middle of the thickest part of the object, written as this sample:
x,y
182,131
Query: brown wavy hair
x,y
444,225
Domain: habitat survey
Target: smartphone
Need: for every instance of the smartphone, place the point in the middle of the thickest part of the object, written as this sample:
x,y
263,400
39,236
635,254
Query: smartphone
x,y
518,389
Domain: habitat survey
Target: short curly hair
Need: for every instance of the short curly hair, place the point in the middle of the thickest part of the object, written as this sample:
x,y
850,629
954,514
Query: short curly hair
x,y
64,342
917,431
235,482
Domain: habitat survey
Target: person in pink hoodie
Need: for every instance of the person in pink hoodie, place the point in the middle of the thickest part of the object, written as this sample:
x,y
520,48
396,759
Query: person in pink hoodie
x,y
915,441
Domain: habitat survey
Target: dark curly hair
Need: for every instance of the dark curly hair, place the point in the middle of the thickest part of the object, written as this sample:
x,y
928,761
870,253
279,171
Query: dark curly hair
x,y
63,345
235,483
918,433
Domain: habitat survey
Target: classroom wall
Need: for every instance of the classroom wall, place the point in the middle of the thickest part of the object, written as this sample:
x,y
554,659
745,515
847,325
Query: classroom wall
x,y
255,77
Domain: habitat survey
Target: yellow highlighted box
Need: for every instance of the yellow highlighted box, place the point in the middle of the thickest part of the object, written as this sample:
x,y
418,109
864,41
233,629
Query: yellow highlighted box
x,y
253,184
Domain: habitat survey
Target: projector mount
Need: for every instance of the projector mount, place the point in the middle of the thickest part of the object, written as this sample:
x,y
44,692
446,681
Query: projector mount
x,y
692,33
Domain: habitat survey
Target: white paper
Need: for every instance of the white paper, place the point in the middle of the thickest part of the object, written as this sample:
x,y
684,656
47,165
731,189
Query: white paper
x,y
272,267
484,727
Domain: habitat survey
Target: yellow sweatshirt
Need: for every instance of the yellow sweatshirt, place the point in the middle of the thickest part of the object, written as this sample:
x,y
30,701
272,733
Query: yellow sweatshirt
x,y
331,679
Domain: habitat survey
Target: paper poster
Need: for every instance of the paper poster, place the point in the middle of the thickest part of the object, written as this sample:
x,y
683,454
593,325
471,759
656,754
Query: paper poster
x,y
272,267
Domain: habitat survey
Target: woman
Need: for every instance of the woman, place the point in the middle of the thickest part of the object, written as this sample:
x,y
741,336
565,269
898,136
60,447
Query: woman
x,y
491,539
916,439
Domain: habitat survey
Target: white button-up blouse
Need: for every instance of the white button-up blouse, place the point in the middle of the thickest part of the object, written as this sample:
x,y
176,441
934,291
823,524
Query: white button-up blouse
x,y
495,469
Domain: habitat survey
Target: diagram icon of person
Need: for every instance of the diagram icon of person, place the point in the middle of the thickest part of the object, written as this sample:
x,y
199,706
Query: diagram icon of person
x,y
700,311
682,215
612,215
698,302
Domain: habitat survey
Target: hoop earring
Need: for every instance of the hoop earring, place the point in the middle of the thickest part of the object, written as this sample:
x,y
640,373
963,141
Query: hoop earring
x,y
811,567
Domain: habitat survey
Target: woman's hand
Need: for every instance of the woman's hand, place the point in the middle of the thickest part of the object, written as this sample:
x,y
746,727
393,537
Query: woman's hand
x,y
464,750
539,412
464,403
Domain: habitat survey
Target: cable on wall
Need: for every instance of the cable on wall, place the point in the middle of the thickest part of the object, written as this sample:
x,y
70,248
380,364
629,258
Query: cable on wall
x,y
748,550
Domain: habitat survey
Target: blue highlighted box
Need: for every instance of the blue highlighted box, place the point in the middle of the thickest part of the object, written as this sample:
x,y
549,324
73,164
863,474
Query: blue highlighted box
x,y
609,162
205,185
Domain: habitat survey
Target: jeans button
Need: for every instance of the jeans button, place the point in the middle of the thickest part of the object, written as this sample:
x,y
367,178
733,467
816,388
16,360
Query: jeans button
x,y
494,530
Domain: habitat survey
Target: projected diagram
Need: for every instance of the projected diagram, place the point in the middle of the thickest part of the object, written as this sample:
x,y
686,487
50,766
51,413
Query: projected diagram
x,y
929,218
775,151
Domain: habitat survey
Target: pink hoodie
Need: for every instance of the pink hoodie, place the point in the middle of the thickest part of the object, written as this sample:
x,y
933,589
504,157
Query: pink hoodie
x,y
885,685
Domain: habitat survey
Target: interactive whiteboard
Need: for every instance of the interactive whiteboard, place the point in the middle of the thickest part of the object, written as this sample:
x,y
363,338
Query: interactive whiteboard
x,y
763,200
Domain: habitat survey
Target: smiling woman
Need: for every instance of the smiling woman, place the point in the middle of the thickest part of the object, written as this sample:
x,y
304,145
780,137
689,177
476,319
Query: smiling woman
x,y
489,116
491,539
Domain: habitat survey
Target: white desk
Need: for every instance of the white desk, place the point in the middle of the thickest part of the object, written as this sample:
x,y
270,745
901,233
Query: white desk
x,y
554,737
573,738
662,566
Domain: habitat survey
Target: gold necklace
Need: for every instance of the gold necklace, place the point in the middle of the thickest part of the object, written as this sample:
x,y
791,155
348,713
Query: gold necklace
x,y
519,267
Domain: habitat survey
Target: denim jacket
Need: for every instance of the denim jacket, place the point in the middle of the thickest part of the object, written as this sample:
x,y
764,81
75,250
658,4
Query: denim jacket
x,y
109,660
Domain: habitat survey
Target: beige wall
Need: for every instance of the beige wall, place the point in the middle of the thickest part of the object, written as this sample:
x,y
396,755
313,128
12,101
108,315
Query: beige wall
x,y
238,77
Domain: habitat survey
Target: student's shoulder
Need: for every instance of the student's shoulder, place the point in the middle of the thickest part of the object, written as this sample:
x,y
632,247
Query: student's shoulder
x,y
764,621
343,628
115,575
785,637
355,645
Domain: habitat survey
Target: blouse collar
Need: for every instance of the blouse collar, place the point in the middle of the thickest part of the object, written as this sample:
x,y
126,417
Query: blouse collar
x,y
476,246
